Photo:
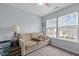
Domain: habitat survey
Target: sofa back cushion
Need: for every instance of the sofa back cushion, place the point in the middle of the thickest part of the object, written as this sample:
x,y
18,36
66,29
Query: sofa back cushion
x,y
25,36
36,35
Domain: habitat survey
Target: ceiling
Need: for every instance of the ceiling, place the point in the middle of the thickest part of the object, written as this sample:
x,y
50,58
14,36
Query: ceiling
x,y
40,10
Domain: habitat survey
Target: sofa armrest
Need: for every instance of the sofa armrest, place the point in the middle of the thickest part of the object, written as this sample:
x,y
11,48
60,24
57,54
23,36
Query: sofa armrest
x,y
47,40
22,45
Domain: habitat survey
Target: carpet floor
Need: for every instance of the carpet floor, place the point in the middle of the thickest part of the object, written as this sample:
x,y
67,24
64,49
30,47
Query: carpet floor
x,y
50,51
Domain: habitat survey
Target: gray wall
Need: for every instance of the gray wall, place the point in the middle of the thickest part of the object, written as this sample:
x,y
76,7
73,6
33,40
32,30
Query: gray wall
x,y
68,45
12,16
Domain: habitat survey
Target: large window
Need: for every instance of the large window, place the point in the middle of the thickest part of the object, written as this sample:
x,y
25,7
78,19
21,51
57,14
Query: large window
x,y
64,27
51,28
68,26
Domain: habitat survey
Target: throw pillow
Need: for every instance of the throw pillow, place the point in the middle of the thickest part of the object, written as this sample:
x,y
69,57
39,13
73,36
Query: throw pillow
x,y
42,37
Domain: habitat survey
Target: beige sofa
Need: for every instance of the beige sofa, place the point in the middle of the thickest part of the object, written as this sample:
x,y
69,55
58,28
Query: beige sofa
x,y
32,41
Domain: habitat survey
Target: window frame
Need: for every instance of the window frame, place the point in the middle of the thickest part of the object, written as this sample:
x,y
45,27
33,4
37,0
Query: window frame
x,y
57,28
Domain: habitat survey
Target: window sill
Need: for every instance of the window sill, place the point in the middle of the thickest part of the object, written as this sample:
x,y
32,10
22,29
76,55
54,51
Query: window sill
x,y
76,40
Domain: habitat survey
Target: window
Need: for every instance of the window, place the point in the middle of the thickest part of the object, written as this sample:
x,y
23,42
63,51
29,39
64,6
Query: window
x,y
64,27
51,28
68,27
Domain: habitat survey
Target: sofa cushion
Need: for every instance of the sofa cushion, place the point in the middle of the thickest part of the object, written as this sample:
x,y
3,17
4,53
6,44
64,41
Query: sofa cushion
x,y
30,44
35,35
34,39
40,42
43,37
25,36
38,39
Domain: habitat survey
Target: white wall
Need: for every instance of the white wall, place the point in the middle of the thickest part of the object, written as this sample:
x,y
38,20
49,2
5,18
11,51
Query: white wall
x,y
68,45
12,16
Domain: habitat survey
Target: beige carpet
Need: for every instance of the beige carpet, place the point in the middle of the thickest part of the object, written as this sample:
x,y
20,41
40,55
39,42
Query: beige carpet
x,y
50,51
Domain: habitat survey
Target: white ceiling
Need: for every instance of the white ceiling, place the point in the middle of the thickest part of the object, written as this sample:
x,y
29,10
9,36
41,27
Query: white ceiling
x,y
40,10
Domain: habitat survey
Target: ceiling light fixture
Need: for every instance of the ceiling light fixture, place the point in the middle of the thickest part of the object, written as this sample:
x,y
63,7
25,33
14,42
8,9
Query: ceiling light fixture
x,y
46,4
40,3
